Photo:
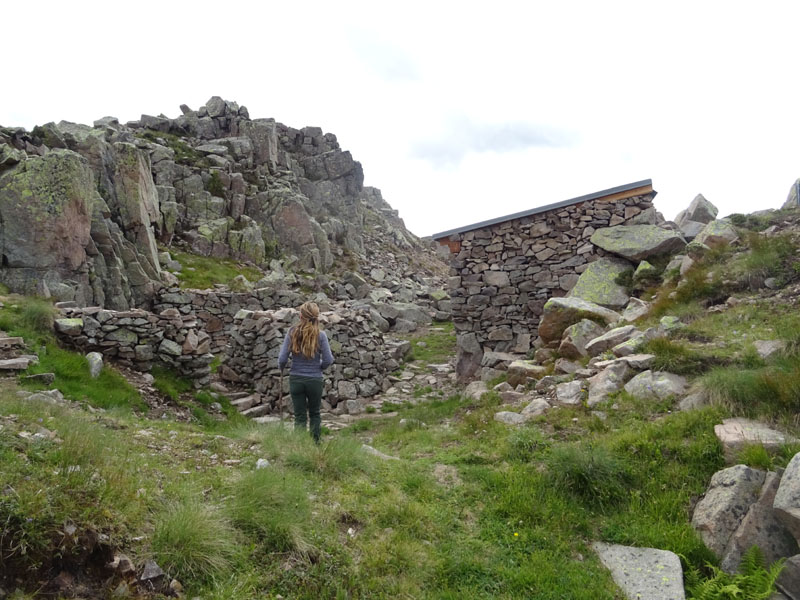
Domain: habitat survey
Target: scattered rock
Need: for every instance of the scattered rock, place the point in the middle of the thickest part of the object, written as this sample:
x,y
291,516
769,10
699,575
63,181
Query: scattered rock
x,y
378,453
95,360
735,434
656,385
643,573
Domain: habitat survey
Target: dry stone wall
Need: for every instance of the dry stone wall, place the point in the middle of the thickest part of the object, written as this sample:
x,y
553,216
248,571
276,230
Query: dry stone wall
x,y
503,274
139,339
363,358
215,309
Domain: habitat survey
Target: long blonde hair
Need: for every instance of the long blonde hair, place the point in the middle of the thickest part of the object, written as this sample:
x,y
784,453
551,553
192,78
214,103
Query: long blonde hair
x,y
305,337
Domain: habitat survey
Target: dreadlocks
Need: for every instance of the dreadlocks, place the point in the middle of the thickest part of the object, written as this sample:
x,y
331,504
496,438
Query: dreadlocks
x,y
305,337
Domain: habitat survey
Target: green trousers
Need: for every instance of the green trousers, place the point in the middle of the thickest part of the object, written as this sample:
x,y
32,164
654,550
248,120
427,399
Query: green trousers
x,y
307,400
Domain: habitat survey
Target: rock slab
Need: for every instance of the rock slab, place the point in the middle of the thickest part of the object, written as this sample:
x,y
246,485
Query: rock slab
x,y
643,572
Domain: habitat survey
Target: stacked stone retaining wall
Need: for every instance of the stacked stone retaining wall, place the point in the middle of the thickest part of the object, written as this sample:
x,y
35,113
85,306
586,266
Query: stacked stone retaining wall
x,y
363,358
139,339
503,274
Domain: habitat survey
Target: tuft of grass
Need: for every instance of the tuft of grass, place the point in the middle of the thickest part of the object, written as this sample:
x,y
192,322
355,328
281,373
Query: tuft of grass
x,y
273,506
170,384
192,540
590,473
768,256
334,459
525,443
756,456
676,357
38,315
771,392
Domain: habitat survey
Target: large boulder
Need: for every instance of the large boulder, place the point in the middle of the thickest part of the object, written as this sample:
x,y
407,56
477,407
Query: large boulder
x,y
610,339
728,498
792,199
638,242
787,498
700,211
760,527
300,233
469,356
717,233
560,313
46,206
598,283
521,371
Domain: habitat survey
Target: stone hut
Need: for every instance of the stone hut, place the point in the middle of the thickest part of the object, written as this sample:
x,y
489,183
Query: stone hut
x,y
504,270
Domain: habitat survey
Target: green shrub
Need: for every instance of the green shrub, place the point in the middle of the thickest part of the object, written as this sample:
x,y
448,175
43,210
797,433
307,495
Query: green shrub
x,y
192,540
753,582
591,473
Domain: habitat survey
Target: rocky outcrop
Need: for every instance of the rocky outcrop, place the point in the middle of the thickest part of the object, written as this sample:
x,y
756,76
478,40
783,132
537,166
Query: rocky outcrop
x,y
215,181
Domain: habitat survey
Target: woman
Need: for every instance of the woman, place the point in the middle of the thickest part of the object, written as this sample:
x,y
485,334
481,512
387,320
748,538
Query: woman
x,y
311,355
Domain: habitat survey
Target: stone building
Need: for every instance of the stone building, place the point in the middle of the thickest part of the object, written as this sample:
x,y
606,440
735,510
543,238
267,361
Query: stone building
x,y
504,270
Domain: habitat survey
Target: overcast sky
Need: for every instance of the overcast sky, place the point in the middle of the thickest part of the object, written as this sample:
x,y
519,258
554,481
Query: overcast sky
x,y
458,111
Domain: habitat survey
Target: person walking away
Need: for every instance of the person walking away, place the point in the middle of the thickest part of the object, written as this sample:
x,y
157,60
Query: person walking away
x,y
311,354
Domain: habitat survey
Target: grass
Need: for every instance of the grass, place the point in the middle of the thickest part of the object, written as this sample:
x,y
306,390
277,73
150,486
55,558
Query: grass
x,y
472,508
72,378
170,384
193,540
438,345
184,153
333,521
590,473
202,272
677,357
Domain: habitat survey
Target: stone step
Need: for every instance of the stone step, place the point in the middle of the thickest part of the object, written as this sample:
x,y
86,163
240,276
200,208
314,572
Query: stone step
x,y
258,410
267,419
11,342
15,364
242,404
